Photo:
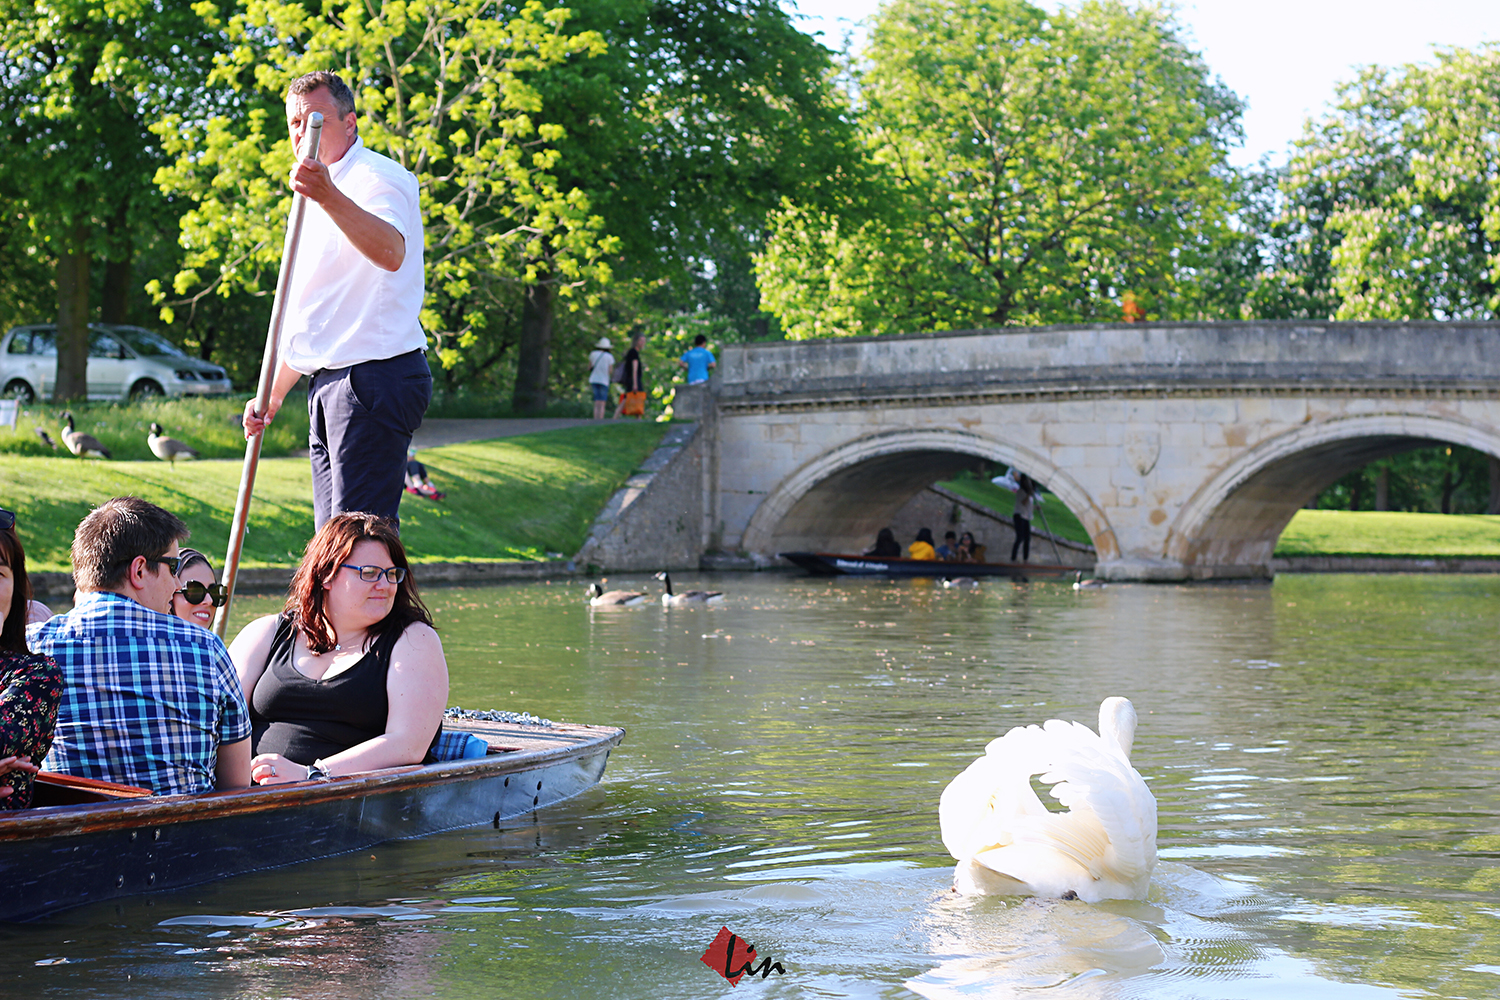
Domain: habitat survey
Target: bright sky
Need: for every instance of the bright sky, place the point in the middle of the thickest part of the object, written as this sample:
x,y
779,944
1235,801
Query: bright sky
x,y
1284,56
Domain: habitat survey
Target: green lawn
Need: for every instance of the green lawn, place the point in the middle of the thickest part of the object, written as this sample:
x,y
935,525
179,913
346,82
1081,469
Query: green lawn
x,y
1002,501
516,498
1390,533
205,424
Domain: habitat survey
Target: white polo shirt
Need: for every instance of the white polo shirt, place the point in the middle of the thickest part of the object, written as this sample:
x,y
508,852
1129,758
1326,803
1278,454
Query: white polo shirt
x,y
342,309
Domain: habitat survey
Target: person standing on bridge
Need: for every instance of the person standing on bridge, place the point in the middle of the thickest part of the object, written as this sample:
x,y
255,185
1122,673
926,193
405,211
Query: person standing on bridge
x,y
351,310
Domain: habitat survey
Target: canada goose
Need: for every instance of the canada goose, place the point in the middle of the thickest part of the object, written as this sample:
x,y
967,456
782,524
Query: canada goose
x,y
46,438
168,449
1008,843
601,598
79,443
671,600
1079,583
959,582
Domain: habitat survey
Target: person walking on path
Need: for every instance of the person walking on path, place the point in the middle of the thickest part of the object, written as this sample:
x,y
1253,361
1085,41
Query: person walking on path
x,y
697,361
633,399
352,309
1021,518
601,366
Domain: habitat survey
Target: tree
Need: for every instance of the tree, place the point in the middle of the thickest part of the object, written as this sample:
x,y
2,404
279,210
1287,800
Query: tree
x,y
686,133
442,90
1400,190
1032,169
79,82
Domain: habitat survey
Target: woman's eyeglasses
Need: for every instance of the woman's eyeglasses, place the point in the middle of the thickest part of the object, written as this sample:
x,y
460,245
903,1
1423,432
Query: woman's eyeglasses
x,y
369,574
195,592
7,519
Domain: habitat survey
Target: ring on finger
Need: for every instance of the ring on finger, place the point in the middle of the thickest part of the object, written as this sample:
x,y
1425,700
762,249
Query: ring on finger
x,y
273,770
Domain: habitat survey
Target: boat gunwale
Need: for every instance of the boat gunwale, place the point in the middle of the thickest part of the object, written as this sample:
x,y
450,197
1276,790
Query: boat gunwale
x,y
950,569
95,817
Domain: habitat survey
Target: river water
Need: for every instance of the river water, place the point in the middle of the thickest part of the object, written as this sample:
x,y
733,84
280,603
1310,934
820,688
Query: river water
x,y
1323,751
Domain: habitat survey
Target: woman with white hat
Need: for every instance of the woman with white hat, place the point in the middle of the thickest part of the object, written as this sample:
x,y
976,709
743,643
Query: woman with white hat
x,y
601,367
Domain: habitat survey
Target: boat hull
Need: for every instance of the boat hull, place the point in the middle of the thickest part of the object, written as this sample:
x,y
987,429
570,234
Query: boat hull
x,y
835,564
64,856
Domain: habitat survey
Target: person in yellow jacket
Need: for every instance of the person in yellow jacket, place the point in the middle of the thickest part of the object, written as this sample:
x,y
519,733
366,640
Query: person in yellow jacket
x,y
922,548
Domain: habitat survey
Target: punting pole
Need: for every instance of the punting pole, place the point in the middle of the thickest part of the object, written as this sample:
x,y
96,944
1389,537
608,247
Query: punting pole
x,y
269,364
1040,505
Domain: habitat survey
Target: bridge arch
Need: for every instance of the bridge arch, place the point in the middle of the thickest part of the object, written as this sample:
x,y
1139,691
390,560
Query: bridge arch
x,y
842,497
1235,517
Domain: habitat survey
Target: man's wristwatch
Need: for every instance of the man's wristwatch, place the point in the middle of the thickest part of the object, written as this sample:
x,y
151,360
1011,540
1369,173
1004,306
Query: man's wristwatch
x,y
318,769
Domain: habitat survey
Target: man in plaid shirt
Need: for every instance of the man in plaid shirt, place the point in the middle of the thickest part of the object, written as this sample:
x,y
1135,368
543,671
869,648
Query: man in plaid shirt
x,y
148,699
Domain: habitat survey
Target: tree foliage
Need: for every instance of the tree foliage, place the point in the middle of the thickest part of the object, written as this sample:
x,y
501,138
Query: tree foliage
x,y
1394,197
79,82
441,88
1032,169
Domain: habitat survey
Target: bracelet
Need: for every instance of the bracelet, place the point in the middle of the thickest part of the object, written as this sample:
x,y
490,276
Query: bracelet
x,y
318,769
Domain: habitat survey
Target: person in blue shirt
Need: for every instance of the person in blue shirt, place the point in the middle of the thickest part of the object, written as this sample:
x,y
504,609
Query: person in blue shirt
x,y
698,361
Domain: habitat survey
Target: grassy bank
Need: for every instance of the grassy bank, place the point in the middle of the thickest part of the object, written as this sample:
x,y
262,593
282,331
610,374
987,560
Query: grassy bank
x,y
517,498
205,424
1390,533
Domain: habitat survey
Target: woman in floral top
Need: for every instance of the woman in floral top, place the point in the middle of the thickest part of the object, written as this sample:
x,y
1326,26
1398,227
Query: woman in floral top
x,y
30,685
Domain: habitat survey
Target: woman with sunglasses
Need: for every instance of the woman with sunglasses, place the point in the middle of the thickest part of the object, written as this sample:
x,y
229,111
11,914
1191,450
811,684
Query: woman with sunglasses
x,y
197,596
30,684
351,675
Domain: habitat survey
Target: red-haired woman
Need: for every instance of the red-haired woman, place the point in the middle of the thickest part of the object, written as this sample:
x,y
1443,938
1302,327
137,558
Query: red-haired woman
x,y
30,684
351,675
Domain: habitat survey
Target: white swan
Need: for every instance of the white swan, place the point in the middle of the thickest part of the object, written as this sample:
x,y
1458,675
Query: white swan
x,y
1008,843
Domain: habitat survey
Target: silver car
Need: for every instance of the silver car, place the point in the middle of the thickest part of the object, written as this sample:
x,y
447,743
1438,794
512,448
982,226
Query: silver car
x,y
125,362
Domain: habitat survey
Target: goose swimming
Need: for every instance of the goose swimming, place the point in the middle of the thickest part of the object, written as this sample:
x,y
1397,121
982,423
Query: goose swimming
x,y
601,598
1008,843
671,600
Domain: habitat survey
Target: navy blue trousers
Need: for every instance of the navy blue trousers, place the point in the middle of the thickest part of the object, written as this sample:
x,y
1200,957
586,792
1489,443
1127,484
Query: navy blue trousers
x,y
363,418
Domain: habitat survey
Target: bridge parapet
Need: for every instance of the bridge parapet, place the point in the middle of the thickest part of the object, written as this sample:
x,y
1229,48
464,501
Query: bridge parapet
x,y
1191,358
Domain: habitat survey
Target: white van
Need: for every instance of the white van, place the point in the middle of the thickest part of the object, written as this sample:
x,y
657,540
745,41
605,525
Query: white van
x,y
125,362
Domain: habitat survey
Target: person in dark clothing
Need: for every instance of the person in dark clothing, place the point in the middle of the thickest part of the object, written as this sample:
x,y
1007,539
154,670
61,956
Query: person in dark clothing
x,y
633,398
1021,518
351,675
885,545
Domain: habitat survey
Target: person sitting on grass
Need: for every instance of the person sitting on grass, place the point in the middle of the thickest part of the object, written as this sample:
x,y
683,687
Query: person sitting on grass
x,y
417,482
148,700
351,675
30,684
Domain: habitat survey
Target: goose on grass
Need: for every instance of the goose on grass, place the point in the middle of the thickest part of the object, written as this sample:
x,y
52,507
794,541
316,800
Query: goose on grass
x,y
168,449
671,600
1102,846
81,444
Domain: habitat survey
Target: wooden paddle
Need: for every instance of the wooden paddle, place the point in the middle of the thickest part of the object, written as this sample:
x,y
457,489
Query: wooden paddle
x,y
269,364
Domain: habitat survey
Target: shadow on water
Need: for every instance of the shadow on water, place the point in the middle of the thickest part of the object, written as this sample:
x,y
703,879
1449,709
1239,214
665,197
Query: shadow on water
x,y
1321,751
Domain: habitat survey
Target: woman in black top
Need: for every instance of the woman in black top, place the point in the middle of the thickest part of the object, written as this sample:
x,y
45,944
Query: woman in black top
x,y
634,379
351,675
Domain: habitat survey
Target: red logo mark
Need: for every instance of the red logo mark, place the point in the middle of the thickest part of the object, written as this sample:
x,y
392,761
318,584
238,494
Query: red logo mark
x,y
732,958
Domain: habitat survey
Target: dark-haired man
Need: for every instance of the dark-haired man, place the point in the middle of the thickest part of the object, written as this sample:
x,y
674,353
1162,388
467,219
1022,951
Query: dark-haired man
x,y
352,309
148,699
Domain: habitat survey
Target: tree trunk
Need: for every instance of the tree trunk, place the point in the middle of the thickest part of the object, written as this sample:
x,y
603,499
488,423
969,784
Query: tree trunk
x,y
1382,489
1494,506
115,305
73,317
534,356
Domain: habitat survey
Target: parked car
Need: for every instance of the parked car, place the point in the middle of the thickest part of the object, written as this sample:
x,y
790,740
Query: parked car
x,y
125,362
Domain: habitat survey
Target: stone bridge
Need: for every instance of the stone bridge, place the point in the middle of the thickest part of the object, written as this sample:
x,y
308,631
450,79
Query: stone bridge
x,y
1184,449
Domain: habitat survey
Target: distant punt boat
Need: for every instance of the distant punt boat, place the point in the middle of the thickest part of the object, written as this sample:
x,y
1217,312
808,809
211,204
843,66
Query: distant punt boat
x,y
86,841
833,564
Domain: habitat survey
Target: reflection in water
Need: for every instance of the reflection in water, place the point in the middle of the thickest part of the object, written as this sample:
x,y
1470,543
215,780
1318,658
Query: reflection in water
x,y
1321,750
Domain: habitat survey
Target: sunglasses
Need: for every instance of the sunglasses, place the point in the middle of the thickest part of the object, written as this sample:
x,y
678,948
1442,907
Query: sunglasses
x,y
7,519
195,592
369,574
173,563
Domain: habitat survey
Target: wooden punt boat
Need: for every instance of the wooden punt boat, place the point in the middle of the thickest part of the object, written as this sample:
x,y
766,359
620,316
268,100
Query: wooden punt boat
x,y
86,841
834,564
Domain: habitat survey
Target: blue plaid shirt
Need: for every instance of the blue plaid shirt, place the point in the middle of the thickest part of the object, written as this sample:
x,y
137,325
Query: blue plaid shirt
x,y
147,697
